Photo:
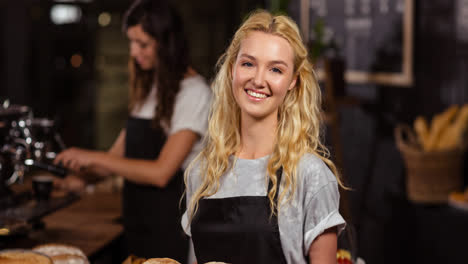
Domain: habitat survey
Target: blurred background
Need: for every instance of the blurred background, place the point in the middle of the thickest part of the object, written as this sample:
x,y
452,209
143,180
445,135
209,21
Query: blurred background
x,y
381,63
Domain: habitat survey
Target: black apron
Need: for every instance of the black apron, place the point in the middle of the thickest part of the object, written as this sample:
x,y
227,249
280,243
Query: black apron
x,y
151,215
237,230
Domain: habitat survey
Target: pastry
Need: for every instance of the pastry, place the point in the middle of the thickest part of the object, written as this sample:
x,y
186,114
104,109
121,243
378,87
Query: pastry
x,y
160,261
133,260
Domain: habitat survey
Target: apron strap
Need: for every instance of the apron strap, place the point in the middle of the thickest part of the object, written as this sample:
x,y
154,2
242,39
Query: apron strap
x,y
279,173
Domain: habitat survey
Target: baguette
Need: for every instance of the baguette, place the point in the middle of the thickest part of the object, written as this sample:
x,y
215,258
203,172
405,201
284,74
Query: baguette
x,y
454,135
422,131
439,123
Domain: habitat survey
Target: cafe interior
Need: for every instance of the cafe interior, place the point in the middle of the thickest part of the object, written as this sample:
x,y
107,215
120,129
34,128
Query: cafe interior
x,y
394,82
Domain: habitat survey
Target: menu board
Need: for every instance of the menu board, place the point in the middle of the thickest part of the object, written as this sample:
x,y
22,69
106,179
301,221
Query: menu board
x,y
374,36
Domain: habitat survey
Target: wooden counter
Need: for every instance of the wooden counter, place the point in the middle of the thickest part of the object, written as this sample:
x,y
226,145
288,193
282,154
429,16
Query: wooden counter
x,y
90,224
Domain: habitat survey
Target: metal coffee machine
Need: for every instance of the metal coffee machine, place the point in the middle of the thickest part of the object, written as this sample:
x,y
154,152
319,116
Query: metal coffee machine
x,y
26,144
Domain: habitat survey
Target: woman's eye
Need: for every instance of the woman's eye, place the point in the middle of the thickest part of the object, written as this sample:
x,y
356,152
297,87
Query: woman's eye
x,y
276,70
247,64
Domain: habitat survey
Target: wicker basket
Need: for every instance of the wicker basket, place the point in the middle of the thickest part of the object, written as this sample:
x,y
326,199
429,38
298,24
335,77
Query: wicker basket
x,y
430,176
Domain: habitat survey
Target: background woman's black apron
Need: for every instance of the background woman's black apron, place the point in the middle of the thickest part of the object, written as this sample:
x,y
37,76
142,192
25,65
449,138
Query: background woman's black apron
x,y
237,230
151,215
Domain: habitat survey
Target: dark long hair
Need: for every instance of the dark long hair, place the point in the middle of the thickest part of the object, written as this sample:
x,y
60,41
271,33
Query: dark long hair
x,y
160,21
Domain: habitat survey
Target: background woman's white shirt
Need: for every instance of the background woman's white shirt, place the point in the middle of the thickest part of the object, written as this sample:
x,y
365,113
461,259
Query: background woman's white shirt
x,y
191,110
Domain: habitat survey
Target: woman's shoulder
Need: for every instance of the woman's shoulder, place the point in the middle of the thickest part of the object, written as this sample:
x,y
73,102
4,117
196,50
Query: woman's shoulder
x,y
194,81
313,170
311,161
195,86
193,173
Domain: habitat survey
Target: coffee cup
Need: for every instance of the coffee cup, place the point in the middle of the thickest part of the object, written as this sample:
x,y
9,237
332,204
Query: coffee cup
x,y
42,187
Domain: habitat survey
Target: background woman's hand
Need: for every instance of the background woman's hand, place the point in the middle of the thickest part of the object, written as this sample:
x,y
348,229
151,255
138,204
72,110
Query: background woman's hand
x,y
75,159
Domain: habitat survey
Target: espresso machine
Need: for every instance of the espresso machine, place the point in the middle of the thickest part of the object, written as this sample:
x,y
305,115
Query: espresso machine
x,y
27,145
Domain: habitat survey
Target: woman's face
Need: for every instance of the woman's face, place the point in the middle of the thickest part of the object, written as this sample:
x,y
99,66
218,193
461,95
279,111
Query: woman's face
x,y
142,47
262,74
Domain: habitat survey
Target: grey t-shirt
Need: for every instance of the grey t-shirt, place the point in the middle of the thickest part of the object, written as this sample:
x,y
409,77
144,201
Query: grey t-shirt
x,y
313,209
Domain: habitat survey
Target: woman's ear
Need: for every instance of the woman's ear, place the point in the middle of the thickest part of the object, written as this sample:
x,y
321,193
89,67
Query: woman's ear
x,y
293,82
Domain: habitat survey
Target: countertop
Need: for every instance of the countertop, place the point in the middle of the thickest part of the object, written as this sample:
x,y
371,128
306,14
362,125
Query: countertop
x,y
91,224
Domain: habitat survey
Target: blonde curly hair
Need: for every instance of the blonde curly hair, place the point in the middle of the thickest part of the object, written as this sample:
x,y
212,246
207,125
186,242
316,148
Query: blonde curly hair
x,y
299,117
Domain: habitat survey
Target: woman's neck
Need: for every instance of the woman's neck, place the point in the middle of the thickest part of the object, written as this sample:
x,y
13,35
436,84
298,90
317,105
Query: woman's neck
x,y
257,137
190,72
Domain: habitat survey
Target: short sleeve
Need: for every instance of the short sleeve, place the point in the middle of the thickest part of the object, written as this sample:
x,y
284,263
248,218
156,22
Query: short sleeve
x,y
321,211
192,106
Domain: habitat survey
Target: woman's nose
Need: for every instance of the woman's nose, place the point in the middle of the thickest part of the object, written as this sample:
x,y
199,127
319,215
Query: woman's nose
x,y
133,50
259,78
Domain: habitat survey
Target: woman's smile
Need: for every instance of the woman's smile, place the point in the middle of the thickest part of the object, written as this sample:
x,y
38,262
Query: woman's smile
x,y
256,95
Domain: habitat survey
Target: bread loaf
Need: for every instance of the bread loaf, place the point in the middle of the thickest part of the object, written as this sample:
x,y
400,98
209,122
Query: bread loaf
x,y
23,257
69,259
62,253
52,249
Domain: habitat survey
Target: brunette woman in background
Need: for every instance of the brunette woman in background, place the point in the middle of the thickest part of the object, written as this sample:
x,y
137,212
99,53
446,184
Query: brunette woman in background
x,y
169,105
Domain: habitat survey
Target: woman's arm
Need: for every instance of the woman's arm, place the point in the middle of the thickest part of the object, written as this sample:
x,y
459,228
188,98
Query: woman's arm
x,y
324,247
77,182
77,158
117,149
157,172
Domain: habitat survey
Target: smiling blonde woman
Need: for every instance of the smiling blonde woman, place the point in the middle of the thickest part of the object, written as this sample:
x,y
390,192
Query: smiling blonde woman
x,y
264,190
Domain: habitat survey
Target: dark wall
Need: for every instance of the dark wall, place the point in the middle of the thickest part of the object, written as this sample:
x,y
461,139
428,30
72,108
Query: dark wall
x,y
385,222
15,52
36,68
